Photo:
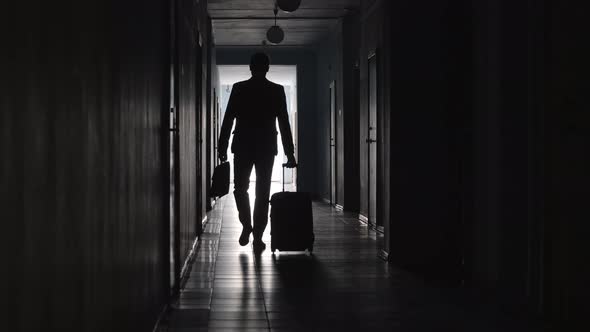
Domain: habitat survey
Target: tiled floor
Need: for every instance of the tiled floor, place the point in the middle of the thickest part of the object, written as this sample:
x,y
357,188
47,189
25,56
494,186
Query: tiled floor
x,y
343,286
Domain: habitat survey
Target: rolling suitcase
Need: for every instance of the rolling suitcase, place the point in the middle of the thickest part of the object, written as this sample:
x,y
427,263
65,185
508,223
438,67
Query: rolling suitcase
x,y
291,221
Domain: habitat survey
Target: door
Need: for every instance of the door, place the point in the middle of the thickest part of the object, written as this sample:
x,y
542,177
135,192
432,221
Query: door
x,y
333,142
174,199
172,160
209,142
372,140
202,189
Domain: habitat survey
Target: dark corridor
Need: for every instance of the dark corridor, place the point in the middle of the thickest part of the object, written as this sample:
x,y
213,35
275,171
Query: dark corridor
x,y
443,142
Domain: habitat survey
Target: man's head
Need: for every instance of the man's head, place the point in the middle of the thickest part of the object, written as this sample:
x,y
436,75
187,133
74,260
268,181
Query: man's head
x,y
259,64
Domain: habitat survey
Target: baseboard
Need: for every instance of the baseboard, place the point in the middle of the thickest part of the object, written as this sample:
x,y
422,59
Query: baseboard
x,y
339,207
204,222
379,229
384,255
191,254
161,316
188,259
363,219
187,263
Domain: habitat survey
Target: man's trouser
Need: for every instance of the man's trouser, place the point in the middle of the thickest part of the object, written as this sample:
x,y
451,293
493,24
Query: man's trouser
x,y
242,169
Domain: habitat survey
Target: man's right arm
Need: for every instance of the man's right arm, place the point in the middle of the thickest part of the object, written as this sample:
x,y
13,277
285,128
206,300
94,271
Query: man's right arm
x,y
227,124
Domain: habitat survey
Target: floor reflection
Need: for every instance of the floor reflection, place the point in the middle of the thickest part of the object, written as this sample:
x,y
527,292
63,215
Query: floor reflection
x,y
343,286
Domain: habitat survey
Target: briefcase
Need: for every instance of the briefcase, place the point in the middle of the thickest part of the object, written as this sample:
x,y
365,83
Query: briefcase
x,y
220,181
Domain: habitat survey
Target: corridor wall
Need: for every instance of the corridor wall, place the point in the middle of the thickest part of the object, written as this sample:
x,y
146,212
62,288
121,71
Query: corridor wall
x,y
83,102
205,40
565,144
337,61
466,151
329,71
85,107
504,254
189,54
213,122
375,41
425,225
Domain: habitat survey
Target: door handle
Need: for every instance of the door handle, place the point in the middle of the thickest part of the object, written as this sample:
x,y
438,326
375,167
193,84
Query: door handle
x,y
371,140
174,128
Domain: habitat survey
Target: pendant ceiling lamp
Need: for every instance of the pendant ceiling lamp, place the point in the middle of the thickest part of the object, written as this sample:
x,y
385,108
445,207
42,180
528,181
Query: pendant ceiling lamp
x,y
288,5
275,34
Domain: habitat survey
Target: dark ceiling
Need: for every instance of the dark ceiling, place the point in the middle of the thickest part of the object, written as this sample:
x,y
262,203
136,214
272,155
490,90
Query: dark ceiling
x,y
245,22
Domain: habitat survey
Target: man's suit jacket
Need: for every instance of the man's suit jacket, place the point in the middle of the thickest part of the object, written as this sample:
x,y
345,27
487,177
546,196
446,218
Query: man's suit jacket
x,y
256,104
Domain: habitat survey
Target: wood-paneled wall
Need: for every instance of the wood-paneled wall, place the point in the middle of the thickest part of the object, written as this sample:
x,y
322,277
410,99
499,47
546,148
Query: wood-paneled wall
x,y
351,111
189,94
565,144
465,157
193,70
84,124
84,95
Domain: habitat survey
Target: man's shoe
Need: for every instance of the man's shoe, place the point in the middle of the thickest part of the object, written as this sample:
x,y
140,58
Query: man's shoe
x,y
258,245
245,236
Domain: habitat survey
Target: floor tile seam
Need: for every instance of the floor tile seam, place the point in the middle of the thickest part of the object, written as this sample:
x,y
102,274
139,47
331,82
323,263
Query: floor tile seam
x,y
214,267
222,208
263,299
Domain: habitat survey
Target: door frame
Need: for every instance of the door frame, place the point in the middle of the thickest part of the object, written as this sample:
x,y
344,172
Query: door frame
x,y
201,151
171,159
333,143
373,220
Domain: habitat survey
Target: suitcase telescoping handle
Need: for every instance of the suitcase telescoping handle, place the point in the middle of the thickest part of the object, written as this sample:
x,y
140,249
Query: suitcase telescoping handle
x,y
285,166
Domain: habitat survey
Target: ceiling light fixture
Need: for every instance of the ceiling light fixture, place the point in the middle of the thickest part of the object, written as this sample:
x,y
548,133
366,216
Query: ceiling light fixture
x,y
275,34
288,5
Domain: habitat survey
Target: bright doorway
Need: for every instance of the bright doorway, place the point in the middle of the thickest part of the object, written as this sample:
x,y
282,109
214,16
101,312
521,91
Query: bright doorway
x,y
283,75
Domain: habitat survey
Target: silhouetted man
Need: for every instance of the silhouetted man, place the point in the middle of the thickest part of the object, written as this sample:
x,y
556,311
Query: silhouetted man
x,y
255,104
